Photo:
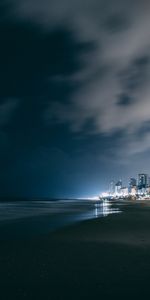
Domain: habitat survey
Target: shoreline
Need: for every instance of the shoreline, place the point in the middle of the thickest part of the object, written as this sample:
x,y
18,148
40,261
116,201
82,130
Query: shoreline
x,y
124,229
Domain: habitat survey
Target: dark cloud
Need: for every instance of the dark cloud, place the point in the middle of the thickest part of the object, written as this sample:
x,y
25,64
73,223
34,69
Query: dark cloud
x,y
124,99
135,75
116,23
30,57
35,66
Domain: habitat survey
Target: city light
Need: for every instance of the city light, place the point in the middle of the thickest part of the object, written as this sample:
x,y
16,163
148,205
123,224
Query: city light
x,y
137,189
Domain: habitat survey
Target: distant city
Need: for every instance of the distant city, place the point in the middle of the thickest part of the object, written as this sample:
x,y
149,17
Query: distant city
x,y
137,188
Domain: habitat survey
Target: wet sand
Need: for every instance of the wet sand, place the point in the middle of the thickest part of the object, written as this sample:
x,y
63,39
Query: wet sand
x,y
95,259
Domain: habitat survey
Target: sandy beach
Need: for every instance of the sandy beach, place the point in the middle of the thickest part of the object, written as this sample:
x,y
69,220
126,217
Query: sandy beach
x,y
96,259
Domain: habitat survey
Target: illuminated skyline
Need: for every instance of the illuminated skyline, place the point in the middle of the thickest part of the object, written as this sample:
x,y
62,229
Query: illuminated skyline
x,y
136,186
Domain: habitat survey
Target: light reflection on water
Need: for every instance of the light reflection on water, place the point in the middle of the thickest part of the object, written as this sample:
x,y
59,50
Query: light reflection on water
x,y
37,217
81,209
101,209
105,210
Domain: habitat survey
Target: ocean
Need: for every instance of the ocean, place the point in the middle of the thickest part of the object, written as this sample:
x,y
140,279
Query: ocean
x,y
20,219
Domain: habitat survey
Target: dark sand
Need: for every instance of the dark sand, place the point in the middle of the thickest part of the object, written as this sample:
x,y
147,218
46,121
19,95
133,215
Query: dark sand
x,y
105,258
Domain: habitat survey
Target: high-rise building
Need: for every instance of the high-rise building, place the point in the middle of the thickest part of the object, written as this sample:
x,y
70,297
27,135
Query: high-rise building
x,y
112,188
118,187
132,183
142,181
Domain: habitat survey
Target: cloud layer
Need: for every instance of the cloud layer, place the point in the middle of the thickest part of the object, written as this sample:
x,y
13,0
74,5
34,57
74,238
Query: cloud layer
x,y
80,64
113,87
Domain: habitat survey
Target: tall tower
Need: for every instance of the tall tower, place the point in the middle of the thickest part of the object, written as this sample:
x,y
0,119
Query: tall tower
x,y
132,183
142,181
112,188
118,187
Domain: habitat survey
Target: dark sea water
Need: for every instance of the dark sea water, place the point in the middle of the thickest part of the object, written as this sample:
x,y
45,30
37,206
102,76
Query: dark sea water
x,y
28,218
57,267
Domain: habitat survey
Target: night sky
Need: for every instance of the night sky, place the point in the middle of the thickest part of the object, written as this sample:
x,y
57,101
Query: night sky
x,y
74,95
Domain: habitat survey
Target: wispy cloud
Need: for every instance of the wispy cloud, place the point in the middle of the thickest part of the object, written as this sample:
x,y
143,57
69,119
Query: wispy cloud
x,y
113,88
